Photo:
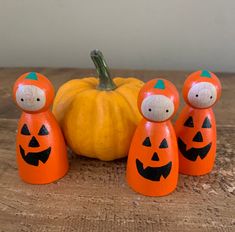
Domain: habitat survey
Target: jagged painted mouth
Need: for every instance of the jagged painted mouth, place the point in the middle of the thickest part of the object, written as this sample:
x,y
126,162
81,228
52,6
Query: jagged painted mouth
x,y
153,173
193,153
33,158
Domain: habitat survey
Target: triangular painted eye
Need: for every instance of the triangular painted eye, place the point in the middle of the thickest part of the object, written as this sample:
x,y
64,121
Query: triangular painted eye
x,y
163,144
43,131
147,142
189,122
206,123
25,130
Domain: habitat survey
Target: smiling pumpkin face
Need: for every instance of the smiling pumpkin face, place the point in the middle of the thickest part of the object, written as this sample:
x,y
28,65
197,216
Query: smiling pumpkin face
x,y
200,138
35,148
196,132
152,167
155,163
40,148
153,173
196,127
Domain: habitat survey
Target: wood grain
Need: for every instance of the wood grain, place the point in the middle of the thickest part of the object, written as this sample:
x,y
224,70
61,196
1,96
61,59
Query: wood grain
x,y
94,196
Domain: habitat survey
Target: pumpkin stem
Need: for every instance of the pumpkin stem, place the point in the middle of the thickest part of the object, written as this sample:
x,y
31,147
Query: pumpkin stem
x,y
102,69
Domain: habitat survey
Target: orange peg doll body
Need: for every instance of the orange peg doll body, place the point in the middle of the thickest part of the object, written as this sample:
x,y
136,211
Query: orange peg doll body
x,y
40,147
152,166
196,127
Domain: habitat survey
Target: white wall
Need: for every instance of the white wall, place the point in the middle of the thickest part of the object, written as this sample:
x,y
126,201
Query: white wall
x,y
135,34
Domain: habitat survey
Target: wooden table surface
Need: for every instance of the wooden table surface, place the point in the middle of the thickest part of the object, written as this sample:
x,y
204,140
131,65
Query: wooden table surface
x,y
94,196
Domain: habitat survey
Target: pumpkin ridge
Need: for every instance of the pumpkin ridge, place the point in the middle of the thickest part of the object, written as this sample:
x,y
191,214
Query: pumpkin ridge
x,y
119,79
71,84
67,87
122,112
66,106
93,81
103,110
69,129
115,125
92,134
132,107
129,122
126,81
107,110
125,99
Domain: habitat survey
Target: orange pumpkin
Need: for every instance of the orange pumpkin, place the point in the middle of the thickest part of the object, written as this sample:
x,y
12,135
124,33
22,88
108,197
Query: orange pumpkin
x,y
152,167
98,116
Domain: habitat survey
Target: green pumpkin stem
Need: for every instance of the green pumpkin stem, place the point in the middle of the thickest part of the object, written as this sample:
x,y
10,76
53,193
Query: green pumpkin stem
x,y
102,69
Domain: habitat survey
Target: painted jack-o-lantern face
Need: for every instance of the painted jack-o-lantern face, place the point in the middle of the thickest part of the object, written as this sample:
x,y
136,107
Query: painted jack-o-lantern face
x,y
154,173
38,151
196,132
152,167
33,92
198,137
195,127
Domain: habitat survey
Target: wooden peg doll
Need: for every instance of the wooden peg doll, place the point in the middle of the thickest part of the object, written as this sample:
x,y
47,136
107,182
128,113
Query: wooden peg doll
x,y
152,166
196,126
40,147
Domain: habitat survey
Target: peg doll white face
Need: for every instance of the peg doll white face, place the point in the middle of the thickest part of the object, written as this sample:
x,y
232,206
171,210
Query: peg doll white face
x,y
157,108
202,95
30,97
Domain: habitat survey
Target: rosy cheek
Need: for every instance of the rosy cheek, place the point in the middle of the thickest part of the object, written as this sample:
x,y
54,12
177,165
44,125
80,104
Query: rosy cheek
x,y
29,99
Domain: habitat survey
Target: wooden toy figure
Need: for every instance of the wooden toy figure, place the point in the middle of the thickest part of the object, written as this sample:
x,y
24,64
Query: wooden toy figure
x,y
196,126
152,166
40,147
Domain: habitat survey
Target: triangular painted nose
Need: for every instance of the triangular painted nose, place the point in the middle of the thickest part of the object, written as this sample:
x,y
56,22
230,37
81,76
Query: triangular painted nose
x,y
198,137
155,157
33,142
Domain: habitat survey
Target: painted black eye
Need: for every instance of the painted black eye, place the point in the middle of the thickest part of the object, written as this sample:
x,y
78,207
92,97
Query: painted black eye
x,y
43,131
25,130
206,123
147,142
163,144
196,95
189,122
22,99
211,97
167,111
38,99
150,110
